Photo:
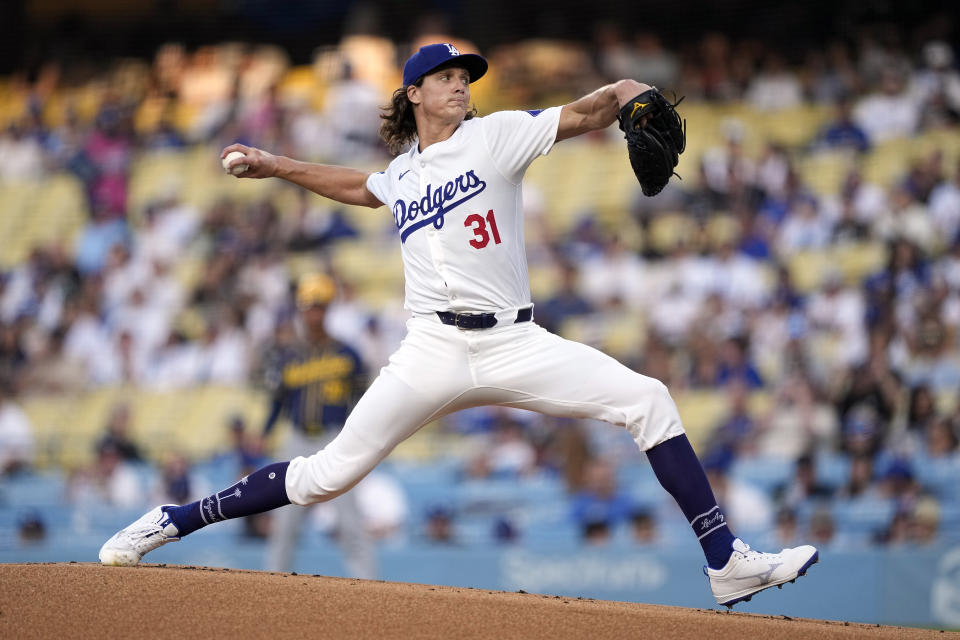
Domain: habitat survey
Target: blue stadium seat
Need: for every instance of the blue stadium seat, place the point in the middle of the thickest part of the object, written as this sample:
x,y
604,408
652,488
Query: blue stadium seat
x,y
863,516
33,489
939,475
833,469
764,473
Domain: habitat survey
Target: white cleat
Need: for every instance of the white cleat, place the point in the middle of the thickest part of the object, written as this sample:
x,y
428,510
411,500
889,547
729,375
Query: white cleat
x,y
748,571
126,547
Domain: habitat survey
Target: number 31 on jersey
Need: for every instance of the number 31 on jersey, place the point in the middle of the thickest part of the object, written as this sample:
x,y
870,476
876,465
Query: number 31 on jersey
x,y
479,225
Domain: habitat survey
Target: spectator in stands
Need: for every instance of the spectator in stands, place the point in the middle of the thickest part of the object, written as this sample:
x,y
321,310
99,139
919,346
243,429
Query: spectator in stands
x,y
848,229
941,439
383,507
774,330
22,155
804,229
745,506
17,445
117,434
867,199
836,312
616,275
937,87
163,135
351,111
786,529
31,528
656,64
704,365
225,358
890,112
774,87
110,149
245,453
860,477
565,303
714,80
924,527
897,531
907,218
600,500
505,532
932,359
169,228
109,480
799,421
509,454
177,482
13,355
804,487
822,528
736,366
830,74
944,208
862,431
899,484
727,172
894,287
97,239
921,410
51,370
596,533
734,434
439,526
643,527
740,280
842,132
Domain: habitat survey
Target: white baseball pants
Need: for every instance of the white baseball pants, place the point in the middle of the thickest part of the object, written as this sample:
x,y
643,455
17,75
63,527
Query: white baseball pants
x,y
439,369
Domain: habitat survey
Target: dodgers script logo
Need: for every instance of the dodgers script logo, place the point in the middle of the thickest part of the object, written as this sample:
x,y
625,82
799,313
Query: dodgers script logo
x,y
438,201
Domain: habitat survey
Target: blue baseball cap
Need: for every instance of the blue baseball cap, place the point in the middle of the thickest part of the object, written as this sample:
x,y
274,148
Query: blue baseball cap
x,y
431,56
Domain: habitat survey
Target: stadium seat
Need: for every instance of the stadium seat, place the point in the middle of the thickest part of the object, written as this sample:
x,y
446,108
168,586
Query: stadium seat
x,y
764,473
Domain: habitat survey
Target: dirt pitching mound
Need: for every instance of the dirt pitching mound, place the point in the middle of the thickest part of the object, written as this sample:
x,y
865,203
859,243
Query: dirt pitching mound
x,y
160,601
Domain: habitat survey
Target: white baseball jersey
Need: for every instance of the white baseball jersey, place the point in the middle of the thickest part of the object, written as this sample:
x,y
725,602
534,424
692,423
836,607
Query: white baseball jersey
x,y
458,209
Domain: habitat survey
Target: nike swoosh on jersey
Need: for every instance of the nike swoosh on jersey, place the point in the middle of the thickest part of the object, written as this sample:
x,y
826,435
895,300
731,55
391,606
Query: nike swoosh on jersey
x,y
400,177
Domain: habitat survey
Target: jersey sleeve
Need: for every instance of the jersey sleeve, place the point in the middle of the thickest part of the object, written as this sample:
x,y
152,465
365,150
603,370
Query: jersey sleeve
x,y
516,138
379,184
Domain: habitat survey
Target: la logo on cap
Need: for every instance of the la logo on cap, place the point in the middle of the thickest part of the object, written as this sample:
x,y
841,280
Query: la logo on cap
x,y
452,49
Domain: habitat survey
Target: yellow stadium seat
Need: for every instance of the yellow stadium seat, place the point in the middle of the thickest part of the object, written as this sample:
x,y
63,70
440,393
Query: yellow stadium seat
x,y
722,229
808,268
824,171
859,260
700,412
794,127
669,230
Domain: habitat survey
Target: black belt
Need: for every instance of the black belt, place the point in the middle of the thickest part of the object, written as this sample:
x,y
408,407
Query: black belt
x,y
480,320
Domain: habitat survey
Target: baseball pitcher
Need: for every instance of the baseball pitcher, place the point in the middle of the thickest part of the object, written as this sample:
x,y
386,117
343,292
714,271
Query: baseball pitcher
x,y
454,194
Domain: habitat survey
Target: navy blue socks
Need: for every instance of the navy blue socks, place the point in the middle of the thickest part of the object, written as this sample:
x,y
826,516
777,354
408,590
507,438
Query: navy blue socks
x,y
679,471
262,490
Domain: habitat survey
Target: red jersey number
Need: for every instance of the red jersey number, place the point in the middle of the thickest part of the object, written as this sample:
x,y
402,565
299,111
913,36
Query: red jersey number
x,y
479,225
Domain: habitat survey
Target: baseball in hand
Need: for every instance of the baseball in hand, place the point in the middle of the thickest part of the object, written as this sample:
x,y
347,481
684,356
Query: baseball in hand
x,y
237,169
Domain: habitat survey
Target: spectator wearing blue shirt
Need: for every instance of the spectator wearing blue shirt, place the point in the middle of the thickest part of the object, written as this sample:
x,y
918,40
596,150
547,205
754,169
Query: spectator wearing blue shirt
x,y
600,505
736,366
565,303
842,132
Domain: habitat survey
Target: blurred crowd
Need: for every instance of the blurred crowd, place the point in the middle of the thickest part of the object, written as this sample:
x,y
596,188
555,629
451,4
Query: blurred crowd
x,y
864,371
